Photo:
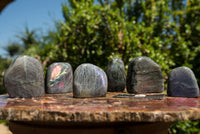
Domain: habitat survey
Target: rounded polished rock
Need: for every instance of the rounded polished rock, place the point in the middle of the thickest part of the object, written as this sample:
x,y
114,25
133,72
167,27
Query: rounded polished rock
x,y
182,83
25,78
89,81
59,78
116,75
144,76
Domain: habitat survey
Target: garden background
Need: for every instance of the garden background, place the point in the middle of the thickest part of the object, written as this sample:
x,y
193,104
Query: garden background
x,y
95,31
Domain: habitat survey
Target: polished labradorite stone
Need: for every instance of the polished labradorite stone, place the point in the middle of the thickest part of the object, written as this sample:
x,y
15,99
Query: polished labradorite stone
x,y
25,78
89,81
182,83
59,78
144,76
116,75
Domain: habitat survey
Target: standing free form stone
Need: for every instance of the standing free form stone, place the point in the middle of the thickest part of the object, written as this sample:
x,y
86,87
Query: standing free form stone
x,y
59,78
89,81
182,83
144,76
116,75
25,78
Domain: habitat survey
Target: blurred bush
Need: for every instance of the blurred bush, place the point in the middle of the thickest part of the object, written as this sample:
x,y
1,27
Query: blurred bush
x,y
168,31
185,127
5,62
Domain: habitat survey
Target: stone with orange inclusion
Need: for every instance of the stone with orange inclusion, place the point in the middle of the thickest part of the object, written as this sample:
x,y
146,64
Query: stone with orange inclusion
x,y
59,78
56,72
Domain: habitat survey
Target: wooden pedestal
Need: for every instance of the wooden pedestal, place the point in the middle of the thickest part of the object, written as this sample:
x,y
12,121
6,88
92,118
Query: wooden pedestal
x,y
117,128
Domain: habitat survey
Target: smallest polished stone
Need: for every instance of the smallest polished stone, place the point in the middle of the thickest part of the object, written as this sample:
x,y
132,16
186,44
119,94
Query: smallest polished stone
x,y
116,75
59,78
182,83
89,81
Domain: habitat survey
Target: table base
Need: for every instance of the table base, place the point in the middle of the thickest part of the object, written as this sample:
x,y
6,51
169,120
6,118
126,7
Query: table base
x,y
89,128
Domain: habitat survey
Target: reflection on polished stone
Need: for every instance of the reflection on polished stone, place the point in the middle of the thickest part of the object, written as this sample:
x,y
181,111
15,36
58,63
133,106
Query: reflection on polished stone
x,y
144,76
116,75
89,81
182,83
59,78
25,78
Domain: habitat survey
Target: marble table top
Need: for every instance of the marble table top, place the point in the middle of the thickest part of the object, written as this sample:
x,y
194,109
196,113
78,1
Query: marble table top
x,y
65,108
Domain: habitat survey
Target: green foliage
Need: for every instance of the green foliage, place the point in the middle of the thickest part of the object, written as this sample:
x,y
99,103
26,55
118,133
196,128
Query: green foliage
x,y
3,66
13,49
28,38
96,31
29,44
185,127
5,122
168,31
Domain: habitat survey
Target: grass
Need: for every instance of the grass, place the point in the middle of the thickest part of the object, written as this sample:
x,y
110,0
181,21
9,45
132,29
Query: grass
x,y
5,122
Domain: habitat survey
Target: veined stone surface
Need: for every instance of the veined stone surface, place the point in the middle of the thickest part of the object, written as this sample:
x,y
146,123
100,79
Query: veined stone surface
x,y
89,81
25,78
144,76
116,75
59,78
63,108
182,83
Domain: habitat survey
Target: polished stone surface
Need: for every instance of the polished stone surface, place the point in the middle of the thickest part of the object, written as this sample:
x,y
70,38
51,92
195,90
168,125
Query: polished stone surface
x,y
25,78
182,83
59,78
89,81
64,108
144,76
116,75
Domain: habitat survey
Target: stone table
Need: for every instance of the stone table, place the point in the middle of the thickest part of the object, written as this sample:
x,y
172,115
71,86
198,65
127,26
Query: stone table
x,y
61,113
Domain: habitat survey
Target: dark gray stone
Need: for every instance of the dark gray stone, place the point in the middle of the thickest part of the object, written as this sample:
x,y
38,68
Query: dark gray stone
x,y
59,78
116,75
25,78
182,83
144,76
89,81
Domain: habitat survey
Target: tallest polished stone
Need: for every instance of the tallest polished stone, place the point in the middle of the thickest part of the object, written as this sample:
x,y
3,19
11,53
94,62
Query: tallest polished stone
x,y
25,78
